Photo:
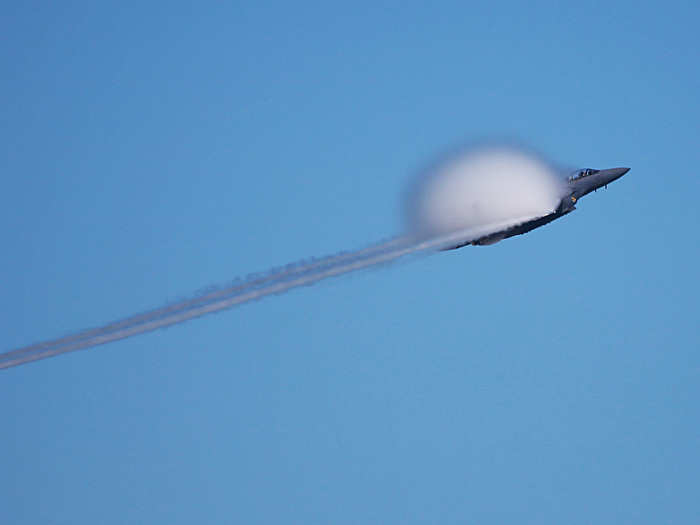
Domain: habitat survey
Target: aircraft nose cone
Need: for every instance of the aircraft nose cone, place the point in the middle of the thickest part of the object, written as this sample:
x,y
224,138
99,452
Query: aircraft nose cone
x,y
615,173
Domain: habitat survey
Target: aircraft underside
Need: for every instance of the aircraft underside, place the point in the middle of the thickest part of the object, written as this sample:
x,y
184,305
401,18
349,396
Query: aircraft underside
x,y
519,229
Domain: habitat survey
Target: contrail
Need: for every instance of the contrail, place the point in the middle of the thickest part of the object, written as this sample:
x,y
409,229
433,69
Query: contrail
x,y
275,281
240,285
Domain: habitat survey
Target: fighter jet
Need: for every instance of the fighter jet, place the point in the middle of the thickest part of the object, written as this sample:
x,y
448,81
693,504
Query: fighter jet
x,y
580,183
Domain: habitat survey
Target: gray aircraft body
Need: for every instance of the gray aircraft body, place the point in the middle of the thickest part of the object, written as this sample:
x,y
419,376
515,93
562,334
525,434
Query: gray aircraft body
x,y
581,183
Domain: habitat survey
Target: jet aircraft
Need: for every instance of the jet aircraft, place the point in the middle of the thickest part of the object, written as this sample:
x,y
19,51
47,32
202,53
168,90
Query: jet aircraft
x,y
579,184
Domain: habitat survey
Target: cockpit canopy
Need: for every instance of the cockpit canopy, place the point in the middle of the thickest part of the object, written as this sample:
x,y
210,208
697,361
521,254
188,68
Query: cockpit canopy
x,y
582,173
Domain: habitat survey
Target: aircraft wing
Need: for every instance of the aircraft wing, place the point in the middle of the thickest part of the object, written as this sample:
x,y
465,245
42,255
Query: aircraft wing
x,y
492,233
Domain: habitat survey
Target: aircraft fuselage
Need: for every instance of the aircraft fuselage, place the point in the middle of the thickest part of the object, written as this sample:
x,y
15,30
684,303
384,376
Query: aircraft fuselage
x,y
578,185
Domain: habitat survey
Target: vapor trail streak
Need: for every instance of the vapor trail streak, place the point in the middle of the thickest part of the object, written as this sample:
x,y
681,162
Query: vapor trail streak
x,y
251,282
274,282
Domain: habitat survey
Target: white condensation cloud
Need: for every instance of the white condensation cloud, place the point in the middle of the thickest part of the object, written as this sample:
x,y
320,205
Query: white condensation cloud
x,y
483,186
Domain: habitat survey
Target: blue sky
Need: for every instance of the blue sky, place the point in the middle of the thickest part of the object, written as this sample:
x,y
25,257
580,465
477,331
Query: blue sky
x,y
150,151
